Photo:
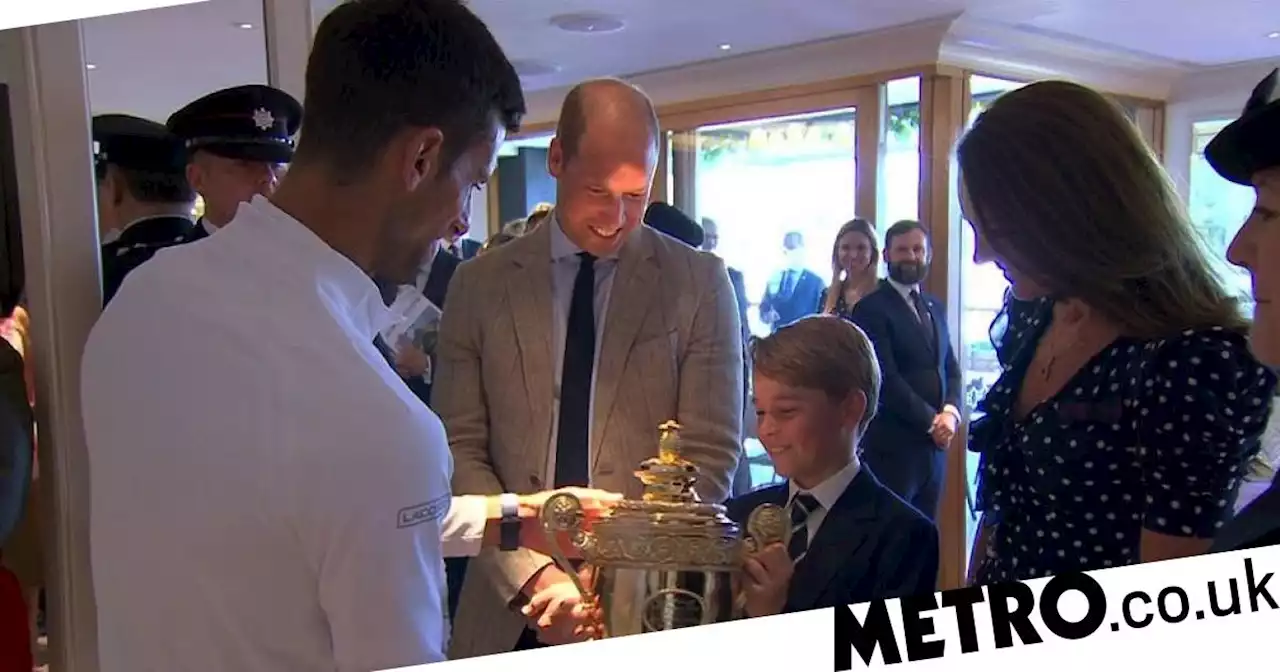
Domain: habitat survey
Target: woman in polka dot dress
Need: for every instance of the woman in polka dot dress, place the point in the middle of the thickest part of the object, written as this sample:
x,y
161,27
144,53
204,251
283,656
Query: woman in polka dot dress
x,y
1129,405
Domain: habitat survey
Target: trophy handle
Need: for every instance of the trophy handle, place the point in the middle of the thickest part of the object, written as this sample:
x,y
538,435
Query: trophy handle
x,y
563,512
768,524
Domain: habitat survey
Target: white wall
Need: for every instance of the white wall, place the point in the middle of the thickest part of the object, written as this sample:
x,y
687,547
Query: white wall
x,y
45,69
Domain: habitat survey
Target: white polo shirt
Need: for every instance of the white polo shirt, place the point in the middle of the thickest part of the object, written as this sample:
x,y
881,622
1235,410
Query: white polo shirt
x,y
266,493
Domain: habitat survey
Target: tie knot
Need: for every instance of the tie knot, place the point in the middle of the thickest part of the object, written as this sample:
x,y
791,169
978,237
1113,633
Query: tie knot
x,y
802,506
587,258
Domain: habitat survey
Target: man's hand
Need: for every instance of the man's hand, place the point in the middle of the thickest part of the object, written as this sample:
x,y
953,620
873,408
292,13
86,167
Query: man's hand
x,y
411,361
561,615
944,428
766,578
558,611
595,503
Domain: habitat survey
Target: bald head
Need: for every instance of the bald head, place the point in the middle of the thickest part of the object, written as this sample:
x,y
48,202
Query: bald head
x,y
603,158
609,106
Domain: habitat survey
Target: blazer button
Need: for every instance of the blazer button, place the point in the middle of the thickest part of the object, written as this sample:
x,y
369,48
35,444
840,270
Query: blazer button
x,y
535,482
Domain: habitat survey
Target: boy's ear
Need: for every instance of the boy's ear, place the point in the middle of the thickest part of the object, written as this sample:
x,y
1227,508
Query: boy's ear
x,y
854,409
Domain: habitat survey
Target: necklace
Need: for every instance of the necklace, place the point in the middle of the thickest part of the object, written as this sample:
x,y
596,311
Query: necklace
x,y
1063,340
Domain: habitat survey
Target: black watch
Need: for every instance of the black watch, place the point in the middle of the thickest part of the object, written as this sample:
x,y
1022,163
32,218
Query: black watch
x,y
509,524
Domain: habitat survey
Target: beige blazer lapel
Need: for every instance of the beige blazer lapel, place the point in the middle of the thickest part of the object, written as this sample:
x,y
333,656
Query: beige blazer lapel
x,y
634,288
529,297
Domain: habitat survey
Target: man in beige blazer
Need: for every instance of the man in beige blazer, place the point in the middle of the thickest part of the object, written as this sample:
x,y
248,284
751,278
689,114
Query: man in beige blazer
x,y
666,346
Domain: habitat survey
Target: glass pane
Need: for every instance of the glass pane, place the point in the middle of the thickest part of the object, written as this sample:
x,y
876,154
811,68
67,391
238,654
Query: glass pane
x,y
1218,209
982,289
901,177
762,179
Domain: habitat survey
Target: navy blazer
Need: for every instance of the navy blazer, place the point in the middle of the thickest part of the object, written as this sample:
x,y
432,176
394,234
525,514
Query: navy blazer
x,y
920,375
871,546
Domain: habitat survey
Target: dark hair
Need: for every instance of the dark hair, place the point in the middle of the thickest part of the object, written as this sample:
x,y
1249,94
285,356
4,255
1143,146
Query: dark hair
x,y
901,228
380,66
11,297
152,187
149,187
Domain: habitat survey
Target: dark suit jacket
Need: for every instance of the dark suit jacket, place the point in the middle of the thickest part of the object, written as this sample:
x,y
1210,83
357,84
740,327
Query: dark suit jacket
x,y
919,375
467,249
871,546
136,245
1256,526
437,286
800,302
435,289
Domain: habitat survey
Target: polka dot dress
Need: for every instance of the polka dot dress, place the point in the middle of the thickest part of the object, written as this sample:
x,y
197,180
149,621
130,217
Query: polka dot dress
x,y
1151,435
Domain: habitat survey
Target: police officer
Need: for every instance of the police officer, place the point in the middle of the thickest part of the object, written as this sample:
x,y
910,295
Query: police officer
x,y
1247,152
238,141
144,200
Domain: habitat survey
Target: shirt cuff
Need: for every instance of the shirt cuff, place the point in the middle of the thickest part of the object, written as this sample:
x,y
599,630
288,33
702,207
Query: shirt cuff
x,y
462,533
955,412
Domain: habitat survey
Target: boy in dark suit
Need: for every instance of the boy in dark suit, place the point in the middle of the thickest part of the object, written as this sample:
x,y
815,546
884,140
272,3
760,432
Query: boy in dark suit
x,y
817,383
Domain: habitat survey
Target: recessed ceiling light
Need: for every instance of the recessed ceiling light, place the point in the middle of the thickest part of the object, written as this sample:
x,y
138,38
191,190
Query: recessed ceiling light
x,y
244,26
587,23
534,68
90,66
726,47
1274,35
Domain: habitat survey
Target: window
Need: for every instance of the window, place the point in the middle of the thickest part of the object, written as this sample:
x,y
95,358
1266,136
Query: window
x,y
982,290
1218,209
760,180
901,178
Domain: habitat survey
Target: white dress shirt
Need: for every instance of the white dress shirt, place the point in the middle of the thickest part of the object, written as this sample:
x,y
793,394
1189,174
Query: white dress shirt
x,y
266,493
827,493
564,270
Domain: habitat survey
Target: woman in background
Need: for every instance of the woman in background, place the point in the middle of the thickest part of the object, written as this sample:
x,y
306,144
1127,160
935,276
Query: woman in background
x,y
1130,405
854,260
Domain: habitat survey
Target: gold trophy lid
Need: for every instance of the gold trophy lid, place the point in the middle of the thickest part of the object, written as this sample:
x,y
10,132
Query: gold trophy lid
x,y
668,526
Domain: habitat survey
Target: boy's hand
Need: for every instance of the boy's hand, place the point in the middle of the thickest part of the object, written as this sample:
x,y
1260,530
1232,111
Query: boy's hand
x,y
765,581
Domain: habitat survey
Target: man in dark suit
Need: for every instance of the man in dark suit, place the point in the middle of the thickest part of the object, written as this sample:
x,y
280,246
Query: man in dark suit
x,y
144,200
920,408
816,387
238,141
794,291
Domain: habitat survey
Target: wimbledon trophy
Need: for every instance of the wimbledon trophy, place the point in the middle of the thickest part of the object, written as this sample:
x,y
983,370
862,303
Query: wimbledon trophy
x,y
667,560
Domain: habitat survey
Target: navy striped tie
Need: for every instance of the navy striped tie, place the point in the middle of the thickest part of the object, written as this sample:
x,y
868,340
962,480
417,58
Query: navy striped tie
x,y
802,507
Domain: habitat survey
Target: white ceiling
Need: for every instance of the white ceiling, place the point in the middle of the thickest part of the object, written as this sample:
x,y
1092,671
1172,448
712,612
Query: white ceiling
x,y
152,62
